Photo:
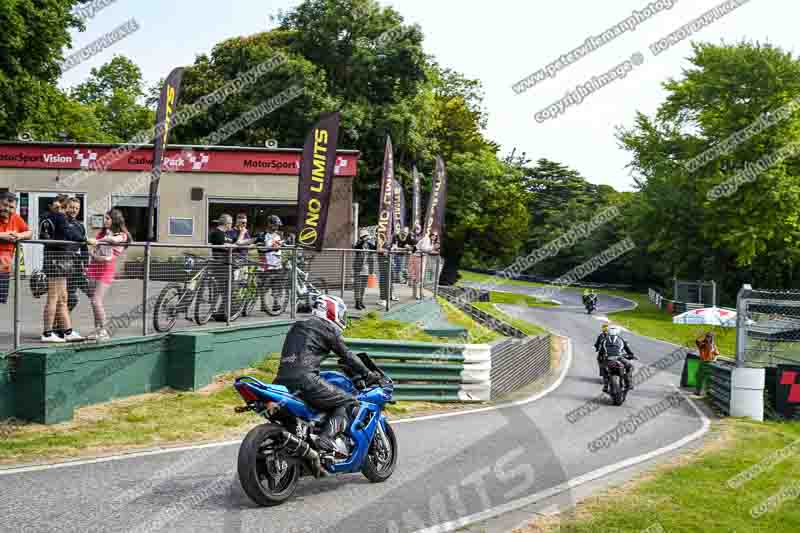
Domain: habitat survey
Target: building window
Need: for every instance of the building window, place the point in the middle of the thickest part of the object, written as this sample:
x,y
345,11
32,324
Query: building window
x,y
181,227
257,212
134,209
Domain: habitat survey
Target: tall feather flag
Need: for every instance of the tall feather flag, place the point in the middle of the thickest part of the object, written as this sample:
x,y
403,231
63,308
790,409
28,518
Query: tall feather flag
x,y
316,180
166,108
385,230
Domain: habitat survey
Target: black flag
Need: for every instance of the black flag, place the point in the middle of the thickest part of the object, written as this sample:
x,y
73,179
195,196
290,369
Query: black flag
x,y
384,232
434,220
316,180
166,108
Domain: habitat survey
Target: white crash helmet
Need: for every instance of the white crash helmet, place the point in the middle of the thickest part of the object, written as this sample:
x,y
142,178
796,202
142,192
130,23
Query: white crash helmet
x,y
613,331
332,309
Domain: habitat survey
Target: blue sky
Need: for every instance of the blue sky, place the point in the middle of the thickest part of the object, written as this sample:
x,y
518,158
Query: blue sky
x,y
497,42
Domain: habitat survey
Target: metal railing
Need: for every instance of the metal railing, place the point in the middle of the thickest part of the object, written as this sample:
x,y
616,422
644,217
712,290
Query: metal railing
x,y
768,327
146,289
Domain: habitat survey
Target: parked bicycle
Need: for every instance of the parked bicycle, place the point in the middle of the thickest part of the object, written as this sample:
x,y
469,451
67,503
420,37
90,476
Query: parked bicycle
x,y
245,291
276,288
176,299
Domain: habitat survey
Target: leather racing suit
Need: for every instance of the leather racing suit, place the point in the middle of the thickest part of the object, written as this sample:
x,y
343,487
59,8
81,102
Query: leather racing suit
x,y
307,344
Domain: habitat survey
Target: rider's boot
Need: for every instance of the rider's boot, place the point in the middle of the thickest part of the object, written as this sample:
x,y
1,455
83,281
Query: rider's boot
x,y
605,384
334,425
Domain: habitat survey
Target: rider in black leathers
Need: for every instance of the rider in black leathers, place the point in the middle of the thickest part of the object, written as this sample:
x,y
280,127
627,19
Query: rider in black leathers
x,y
597,343
306,345
615,346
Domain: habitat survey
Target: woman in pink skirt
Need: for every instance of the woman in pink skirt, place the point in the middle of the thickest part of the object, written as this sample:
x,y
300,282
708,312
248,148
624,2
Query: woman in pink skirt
x,y
109,244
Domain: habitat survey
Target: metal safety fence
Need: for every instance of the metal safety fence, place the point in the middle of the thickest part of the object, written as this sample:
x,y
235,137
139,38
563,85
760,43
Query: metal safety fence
x,y
108,290
768,327
517,363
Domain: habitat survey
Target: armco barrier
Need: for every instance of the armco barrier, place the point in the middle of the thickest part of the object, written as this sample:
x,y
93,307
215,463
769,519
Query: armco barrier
x,y
428,371
720,385
519,362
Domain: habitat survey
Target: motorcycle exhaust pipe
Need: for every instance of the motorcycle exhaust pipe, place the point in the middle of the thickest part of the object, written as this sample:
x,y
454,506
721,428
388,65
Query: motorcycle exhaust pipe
x,y
296,447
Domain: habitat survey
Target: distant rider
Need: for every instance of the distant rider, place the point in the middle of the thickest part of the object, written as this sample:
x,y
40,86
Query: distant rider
x,y
614,346
306,345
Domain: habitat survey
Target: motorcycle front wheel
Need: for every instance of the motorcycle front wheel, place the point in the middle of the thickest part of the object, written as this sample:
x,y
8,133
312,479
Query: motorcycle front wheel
x,y
266,475
380,461
617,394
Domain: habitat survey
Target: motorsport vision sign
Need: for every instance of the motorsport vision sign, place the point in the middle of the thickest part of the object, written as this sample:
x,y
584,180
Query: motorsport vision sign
x,y
316,180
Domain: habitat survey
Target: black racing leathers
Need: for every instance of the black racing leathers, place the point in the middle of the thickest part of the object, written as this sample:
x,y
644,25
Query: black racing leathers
x,y
616,347
305,347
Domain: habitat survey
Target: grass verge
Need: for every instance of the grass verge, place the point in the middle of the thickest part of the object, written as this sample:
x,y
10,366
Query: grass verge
x,y
476,333
518,299
526,327
692,492
372,326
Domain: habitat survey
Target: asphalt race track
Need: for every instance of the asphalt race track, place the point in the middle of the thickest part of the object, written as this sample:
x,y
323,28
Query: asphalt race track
x,y
449,467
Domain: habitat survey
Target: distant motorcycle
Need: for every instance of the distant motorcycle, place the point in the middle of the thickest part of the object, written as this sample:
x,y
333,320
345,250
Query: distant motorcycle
x,y
615,371
591,306
273,456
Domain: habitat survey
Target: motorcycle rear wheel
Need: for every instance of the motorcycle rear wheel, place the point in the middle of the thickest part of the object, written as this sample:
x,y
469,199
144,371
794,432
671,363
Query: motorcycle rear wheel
x,y
254,465
375,469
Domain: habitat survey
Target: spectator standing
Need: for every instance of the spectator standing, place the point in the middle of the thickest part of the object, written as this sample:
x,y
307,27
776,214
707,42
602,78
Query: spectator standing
x,y
109,244
404,243
384,273
58,266
708,352
221,236
363,266
76,232
414,262
12,229
272,262
240,236
425,248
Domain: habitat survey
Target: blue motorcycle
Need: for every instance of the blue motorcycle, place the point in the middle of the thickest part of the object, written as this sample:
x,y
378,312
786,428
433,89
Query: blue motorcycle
x,y
275,455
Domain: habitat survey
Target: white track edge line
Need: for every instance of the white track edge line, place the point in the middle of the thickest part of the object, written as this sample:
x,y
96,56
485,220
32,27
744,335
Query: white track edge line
x,y
574,482
133,455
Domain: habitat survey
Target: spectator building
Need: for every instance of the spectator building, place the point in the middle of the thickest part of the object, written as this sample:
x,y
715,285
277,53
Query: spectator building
x,y
197,185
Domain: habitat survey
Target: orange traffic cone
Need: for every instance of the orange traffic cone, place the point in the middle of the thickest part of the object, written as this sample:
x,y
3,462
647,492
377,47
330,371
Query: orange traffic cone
x,y
372,281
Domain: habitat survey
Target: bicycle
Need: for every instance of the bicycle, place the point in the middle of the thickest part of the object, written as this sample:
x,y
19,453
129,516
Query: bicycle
x,y
246,288
279,289
198,287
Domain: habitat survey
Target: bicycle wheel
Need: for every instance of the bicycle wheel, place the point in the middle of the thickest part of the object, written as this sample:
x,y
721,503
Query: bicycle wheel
x,y
238,301
275,296
251,297
207,300
165,313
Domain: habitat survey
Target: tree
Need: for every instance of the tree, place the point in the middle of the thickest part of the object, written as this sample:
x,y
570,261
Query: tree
x,y
756,231
115,92
33,37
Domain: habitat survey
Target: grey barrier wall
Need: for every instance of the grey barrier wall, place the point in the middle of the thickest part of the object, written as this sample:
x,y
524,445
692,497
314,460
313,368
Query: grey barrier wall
x,y
719,387
519,362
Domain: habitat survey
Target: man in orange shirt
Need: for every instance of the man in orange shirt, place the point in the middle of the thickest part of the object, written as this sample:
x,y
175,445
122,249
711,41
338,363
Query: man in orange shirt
x,y
12,229
708,352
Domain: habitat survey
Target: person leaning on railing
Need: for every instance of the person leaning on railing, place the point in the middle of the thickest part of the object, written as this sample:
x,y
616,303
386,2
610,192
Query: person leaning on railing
x,y
363,267
708,353
12,229
109,244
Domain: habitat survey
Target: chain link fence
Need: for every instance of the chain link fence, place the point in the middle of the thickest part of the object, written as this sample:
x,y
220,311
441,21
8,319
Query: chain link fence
x,y
768,327
105,291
